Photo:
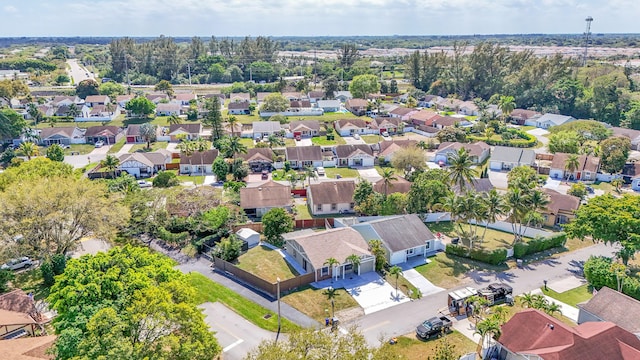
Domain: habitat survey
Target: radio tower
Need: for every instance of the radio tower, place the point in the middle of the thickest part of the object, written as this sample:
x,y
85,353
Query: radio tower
x,y
587,33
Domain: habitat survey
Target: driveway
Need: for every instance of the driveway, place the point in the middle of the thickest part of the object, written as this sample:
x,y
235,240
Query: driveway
x,y
416,279
235,334
540,135
370,174
498,179
304,142
352,141
125,149
172,147
101,150
91,246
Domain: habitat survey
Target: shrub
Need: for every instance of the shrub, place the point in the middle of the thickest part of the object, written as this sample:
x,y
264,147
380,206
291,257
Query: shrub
x,y
5,277
539,244
598,271
166,179
228,249
177,239
494,257
512,138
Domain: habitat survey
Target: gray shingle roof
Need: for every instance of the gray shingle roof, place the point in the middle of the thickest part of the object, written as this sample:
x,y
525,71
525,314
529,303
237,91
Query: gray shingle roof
x,y
304,153
513,155
618,308
269,194
335,243
266,126
402,232
332,192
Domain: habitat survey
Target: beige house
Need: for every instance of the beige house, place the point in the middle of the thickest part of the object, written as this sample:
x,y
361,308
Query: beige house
x,y
331,197
561,209
257,200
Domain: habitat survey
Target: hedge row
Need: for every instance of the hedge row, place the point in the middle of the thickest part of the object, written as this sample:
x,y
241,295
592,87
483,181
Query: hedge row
x,y
526,141
539,244
494,257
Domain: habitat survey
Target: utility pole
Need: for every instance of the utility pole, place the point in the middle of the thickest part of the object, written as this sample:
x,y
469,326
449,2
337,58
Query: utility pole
x,y
189,69
250,73
587,33
126,69
278,290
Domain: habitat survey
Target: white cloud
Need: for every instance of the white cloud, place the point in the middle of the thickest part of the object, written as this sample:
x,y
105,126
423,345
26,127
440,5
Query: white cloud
x,y
10,9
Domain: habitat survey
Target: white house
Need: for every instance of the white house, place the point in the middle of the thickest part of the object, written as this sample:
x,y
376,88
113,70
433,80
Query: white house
x,y
199,163
506,158
265,128
329,105
404,237
548,120
144,164
360,155
168,109
343,96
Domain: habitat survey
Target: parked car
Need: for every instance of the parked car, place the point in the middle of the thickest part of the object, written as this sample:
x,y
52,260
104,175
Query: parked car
x,y
385,133
17,264
144,184
99,143
434,326
265,175
320,171
356,136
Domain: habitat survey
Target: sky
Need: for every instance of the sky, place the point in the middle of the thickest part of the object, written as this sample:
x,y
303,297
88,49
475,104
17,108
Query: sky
x,y
179,18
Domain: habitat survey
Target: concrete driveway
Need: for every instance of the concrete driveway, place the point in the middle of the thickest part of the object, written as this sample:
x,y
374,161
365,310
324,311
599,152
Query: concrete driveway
x,y
416,279
101,150
370,174
91,246
540,134
352,141
236,335
304,142
498,179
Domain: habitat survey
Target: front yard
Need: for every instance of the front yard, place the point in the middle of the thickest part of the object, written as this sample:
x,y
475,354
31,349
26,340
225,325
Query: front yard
x,y
344,172
314,302
76,149
449,271
371,139
322,140
154,147
493,239
411,347
266,263
571,297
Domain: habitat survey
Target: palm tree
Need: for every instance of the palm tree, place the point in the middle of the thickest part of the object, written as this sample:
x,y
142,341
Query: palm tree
x,y
396,271
377,250
233,146
494,206
571,165
388,176
487,328
310,172
331,294
233,121
29,149
479,303
355,261
528,300
506,104
186,148
553,308
110,163
34,112
500,313
331,263
275,141
460,171
471,206
517,201
537,201
174,120
73,111
488,133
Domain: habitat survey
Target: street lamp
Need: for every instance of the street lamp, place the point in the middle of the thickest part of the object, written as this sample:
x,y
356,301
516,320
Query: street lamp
x,y
278,297
333,307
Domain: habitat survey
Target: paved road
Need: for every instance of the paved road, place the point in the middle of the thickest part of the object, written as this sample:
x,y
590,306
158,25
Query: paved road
x,y
402,319
78,72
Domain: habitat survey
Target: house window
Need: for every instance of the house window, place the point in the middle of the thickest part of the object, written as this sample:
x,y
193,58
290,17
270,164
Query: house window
x,y
427,245
334,207
319,207
324,271
411,251
348,267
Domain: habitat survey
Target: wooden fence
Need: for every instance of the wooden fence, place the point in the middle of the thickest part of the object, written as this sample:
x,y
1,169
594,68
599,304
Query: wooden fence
x,y
298,224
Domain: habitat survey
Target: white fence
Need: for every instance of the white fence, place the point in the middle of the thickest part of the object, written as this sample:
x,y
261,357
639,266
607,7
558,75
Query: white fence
x,y
498,225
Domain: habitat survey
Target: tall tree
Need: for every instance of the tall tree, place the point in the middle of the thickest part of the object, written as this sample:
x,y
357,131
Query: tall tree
x,y
165,86
460,171
275,102
347,55
29,149
363,85
506,104
214,117
388,177
275,140
12,124
614,153
110,163
187,149
409,159
140,106
495,206
396,272
275,223
355,261
55,153
571,165
232,146
377,249
86,88
148,132
233,122
310,173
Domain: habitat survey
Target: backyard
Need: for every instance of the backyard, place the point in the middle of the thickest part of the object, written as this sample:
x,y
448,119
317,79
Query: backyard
x,y
571,297
322,140
344,172
314,302
268,263
302,212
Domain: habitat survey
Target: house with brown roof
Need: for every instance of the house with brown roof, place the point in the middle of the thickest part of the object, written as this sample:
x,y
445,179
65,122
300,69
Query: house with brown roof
x,y
402,113
331,197
357,106
445,121
399,185
314,96
168,109
304,128
257,200
359,155
387,124
532,334
261,95
612,306
468,108
259,159
158,98
588,167
631,134
141,164
132,133
388,148
478,151
93,100
403,237
107,134
19,316
449,104
561,208
62,135
199,163
190,131
184,99
32,348
520,116
122,100
235,97
423,117
239,107
349,127
311,251
299,104
300,157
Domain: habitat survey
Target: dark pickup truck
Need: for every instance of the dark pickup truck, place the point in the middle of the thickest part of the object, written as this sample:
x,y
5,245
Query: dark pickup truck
x,y
434,326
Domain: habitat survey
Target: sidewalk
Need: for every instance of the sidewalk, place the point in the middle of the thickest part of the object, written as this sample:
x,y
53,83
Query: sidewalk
x,y
567,310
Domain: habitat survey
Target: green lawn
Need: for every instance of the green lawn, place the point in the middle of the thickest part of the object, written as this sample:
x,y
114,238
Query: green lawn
x,y
247,142
154,146
322,140
404,286
266,263
209,291
83,149
289,143
571,297
493,239
303,212
281,175
197,180
604,186
411,347
380,169
448,271
344,172
31,282
371,139
314,303
117,146
527,127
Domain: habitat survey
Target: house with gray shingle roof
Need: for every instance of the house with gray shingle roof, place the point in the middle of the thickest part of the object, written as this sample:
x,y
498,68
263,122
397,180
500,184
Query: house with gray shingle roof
x,y
506,158
548,120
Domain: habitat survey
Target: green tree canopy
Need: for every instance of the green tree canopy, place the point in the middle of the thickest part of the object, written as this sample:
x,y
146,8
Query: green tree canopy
x,y
12,88
38,168
408,159
12,124
614,152
275,103
112,89
128,304
140,106
55,153
565,142
276,222
363,85
86,88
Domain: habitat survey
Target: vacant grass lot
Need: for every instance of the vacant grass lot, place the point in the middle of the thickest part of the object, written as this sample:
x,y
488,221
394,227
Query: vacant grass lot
x,y
371,139
571,297
314,303
322,140
154,147
266,263
449,271
209,291
344,172
493,239
411,347
197,180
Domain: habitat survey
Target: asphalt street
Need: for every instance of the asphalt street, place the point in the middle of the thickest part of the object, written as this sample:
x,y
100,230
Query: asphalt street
x,y
78,72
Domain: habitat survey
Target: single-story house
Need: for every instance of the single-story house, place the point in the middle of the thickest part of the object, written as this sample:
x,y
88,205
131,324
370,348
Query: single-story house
x,y
387,124
122,100
66,100
141,164
257,200
46,110
634,175
239,108
588,167
399,185
168,109
190,131
19,317
132,133
348,127
468,108
388,148
104,112
266,128
506,158
93,100
331,197
478,151
261,95
561,208
633,135
315,96
482,185
429,100
450,104
360,155
313,250
329,105
251,237
548,120
235,97
258,159
294,96
521,116
343,96
300,157
445,121
357,106
532,334
184,98
158,98
62,110
299,104
423,117
403,237
402,113
612,306
62,135
304,128
108,134
199,163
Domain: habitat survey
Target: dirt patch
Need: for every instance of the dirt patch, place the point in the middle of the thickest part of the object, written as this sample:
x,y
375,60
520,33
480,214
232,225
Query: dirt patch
x,y
347,315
